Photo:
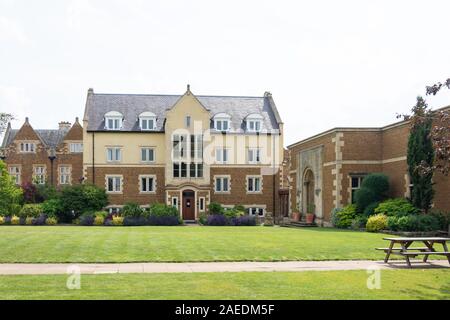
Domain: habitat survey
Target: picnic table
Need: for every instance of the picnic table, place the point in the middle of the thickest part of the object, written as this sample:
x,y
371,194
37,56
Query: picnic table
x,y
408,252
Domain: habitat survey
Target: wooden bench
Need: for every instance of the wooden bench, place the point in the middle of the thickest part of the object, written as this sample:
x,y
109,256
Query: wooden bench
x,y
406,251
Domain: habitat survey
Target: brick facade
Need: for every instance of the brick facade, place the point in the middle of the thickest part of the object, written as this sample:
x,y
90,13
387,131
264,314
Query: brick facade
x,y
46,145
352,152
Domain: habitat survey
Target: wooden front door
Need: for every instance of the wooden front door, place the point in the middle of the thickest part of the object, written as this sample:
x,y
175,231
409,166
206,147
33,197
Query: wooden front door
x,y
188,205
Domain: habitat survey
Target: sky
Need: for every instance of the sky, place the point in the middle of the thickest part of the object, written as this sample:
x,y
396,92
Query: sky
x,y
327,63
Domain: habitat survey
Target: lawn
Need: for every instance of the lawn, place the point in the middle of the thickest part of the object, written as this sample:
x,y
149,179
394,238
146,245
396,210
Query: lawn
x,y
21,244
395,284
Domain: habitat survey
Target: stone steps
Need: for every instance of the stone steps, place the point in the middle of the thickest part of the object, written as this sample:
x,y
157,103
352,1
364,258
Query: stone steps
x,y
298,224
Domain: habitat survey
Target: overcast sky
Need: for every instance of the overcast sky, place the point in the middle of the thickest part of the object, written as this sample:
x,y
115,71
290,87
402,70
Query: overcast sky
x,y
327,63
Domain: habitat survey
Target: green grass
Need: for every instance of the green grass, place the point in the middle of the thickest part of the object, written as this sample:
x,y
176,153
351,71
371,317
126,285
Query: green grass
x,y
21,244
395,284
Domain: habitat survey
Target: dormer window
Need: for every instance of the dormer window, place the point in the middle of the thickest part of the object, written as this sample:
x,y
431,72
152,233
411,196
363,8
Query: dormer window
x,y
113,120
147,121
254,123
222,122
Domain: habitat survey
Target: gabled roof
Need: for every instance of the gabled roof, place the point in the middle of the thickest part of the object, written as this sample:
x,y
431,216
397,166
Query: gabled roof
x,y
51,138
132,105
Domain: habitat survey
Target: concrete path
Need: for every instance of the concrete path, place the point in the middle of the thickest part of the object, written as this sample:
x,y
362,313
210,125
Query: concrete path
x,y
295,266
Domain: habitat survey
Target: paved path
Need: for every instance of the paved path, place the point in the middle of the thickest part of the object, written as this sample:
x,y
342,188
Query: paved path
x,y
295,266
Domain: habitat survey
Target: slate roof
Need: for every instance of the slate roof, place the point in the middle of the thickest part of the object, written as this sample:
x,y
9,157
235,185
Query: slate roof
x,y
51,138
132,105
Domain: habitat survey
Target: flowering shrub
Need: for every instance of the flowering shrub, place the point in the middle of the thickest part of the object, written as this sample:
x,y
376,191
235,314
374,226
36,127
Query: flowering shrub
x,y
29,221
2,220
216,220
15,220
117,221
99,220
51,221
377,223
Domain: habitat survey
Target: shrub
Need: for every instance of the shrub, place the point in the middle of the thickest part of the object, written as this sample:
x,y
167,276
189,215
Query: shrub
x,y
2,220
162,210
81,198
52,208
31,210
99,220
335,217
10,194
117,221
231,213
378,183
46,192
87,219
30,193
428,223
51,221
359,223
164,220
40,221
215,208
29,221
216,220
243,221
363,198
132,209
132,221
370,209
203,219
345,216
395,207
377,223
239,208
443,218
102,214
15,220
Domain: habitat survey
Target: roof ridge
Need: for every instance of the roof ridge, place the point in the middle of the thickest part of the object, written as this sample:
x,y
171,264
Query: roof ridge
x,y
176,95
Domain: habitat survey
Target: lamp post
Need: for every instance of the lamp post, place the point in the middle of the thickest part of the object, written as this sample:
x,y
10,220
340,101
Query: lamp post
x,y
52,157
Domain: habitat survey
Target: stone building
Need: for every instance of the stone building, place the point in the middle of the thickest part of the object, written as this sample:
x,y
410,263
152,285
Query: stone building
x,y
53,157
185,150
327,169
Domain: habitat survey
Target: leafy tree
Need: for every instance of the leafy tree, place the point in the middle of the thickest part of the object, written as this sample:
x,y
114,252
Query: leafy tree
x,y
82,198
420,157
439,132
5,118
10,194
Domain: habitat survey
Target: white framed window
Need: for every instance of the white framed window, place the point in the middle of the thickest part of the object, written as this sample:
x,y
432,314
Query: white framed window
x,y
15,173
65,175
201,204
147,183
260,212
254,155
114,154
114,184
356,182
76,148
254,184
188,121
39,173
113,120
222,155
197,147
175,202
254,122
179,146
222,184
147,154
222,122
27,147
147,121
180,170
196,170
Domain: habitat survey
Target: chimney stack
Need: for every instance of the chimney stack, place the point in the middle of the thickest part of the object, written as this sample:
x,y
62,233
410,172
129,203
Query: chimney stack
x,y
64,125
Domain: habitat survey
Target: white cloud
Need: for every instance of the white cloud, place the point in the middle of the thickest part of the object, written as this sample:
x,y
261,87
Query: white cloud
x,y
11,30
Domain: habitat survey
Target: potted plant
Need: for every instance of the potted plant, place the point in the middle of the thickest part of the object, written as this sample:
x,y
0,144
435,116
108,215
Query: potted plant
x,y
296,215
310,215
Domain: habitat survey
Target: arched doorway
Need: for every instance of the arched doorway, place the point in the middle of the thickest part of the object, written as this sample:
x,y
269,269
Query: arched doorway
x,y
188,203
309,191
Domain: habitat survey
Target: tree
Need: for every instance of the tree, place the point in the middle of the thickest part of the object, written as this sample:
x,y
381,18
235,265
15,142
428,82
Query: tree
x,y
439,132
420,156
82,198
10,194
5,118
